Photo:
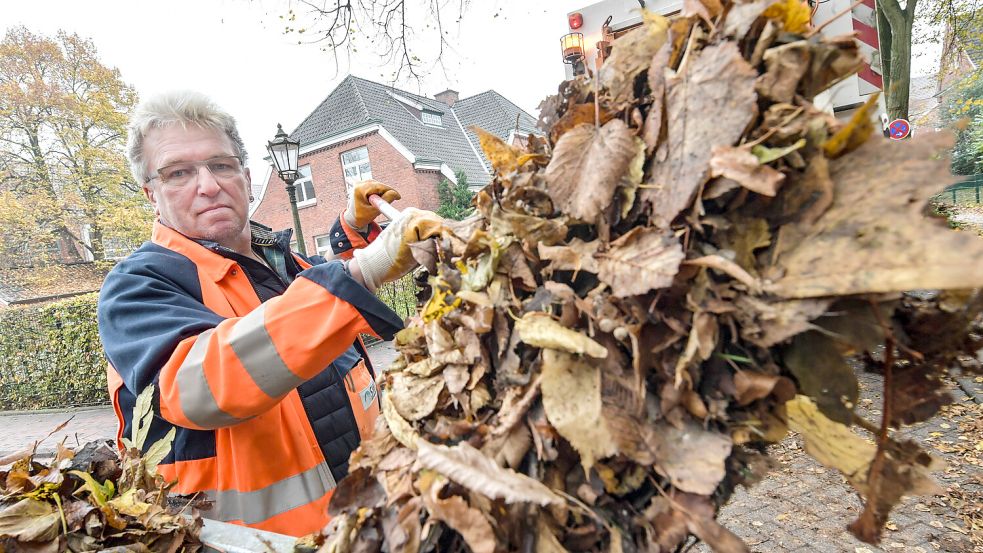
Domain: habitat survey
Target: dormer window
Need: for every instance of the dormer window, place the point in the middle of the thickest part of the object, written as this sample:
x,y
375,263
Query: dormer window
x,y
431,118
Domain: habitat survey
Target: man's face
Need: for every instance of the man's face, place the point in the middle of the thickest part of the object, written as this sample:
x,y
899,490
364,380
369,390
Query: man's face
x,y
205,208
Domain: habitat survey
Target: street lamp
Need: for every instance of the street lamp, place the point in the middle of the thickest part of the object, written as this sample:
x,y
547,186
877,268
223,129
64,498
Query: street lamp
x,y
285,153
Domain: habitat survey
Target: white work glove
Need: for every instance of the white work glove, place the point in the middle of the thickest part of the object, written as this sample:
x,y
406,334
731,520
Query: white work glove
x,y
388,257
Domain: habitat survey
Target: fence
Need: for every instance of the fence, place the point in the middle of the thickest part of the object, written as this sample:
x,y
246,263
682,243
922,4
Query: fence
x,y
50,356
966,192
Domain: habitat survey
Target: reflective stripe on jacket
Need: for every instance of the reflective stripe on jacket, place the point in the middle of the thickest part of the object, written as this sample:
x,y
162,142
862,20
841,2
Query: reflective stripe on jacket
x,y
268,399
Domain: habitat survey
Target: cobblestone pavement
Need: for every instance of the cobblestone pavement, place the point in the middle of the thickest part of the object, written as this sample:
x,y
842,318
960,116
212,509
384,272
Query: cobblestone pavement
x,y
20,430
800,506
803,506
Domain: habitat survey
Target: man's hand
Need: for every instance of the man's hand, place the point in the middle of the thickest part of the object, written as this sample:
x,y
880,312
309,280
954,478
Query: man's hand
x,y
360,212
388,257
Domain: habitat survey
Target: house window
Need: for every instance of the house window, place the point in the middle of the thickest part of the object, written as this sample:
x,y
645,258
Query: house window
x,y
431,118
357,166
323,244
305,187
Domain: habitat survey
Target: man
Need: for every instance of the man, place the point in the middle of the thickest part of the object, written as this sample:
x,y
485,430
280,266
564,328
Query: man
x,y
253,351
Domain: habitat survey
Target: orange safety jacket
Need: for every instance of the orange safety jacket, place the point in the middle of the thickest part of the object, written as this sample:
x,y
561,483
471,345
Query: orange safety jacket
x,y
268,399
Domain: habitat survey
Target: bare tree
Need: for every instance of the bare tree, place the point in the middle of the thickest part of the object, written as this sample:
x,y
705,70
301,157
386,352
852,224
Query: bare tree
x,y
411,35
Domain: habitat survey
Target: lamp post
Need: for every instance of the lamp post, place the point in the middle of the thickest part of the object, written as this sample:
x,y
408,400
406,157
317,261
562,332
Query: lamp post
x,y
285,153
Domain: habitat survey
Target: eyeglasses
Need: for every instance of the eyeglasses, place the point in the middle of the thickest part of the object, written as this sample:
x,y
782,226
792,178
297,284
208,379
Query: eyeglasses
x,y
186,172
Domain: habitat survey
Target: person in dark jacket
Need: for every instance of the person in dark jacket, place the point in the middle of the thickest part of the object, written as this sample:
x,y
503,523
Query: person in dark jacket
x,y
253,350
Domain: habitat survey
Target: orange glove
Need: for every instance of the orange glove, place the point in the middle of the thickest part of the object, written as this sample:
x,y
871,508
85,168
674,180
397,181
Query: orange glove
x,y
388,257
360,212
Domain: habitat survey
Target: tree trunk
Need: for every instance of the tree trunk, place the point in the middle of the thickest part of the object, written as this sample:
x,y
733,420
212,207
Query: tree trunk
x,y
884,45
897,64
95,238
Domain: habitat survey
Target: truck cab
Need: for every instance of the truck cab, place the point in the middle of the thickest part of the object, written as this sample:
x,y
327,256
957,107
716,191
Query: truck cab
x,y
591,30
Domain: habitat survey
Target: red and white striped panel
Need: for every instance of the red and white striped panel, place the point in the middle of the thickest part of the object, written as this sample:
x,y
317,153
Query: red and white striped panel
x,y
865,24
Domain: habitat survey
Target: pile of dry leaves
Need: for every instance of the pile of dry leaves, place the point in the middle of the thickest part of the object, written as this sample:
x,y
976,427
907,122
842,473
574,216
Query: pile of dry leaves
x,y
666,284
95,498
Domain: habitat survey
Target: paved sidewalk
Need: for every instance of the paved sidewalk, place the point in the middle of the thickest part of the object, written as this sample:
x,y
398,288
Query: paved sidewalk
x,y
802,506
20,430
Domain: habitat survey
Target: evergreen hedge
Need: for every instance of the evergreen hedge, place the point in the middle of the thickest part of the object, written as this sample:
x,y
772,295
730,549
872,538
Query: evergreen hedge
x,y
51,357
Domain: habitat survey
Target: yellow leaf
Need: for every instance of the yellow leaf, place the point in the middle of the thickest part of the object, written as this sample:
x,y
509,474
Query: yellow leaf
x,y
538,329
793,14
854,133
572,401
503,158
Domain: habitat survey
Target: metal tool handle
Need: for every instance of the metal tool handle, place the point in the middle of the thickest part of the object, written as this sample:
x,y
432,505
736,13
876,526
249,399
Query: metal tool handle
x,y
384,207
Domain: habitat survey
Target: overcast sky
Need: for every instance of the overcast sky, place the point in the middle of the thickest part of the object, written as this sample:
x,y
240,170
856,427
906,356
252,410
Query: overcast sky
x,y
236,52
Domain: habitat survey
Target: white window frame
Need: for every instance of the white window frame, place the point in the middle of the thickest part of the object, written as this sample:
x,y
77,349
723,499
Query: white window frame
x,y
302,199
321,250
350,182
435,119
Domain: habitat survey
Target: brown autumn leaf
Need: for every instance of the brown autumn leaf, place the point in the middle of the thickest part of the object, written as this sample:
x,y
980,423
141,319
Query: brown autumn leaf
x,y
571,391
30,520
468,467
587,166
918,394
833,59
642,259
752,386
576,255
904,472
528,227
579,114
786,64
823,375
706,9
766,323
414,397
875,236
742,166
700,517
467,521
630,55
692,458
652,130
503,158
745,235
401,429
710,105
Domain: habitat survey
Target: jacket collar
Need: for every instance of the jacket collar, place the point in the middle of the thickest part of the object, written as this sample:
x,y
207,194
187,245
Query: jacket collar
x,y
205,253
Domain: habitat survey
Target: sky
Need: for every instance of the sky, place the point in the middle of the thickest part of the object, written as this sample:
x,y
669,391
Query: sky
x,y
236,51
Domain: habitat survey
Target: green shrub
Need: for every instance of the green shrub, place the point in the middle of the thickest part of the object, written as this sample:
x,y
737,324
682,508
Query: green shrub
x,y
51,357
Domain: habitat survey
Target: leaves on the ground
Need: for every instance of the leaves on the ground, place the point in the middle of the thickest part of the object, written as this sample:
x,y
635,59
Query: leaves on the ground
x,y
587,166
96,498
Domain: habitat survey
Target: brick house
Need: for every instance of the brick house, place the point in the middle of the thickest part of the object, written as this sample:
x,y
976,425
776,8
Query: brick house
x,y
365,130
